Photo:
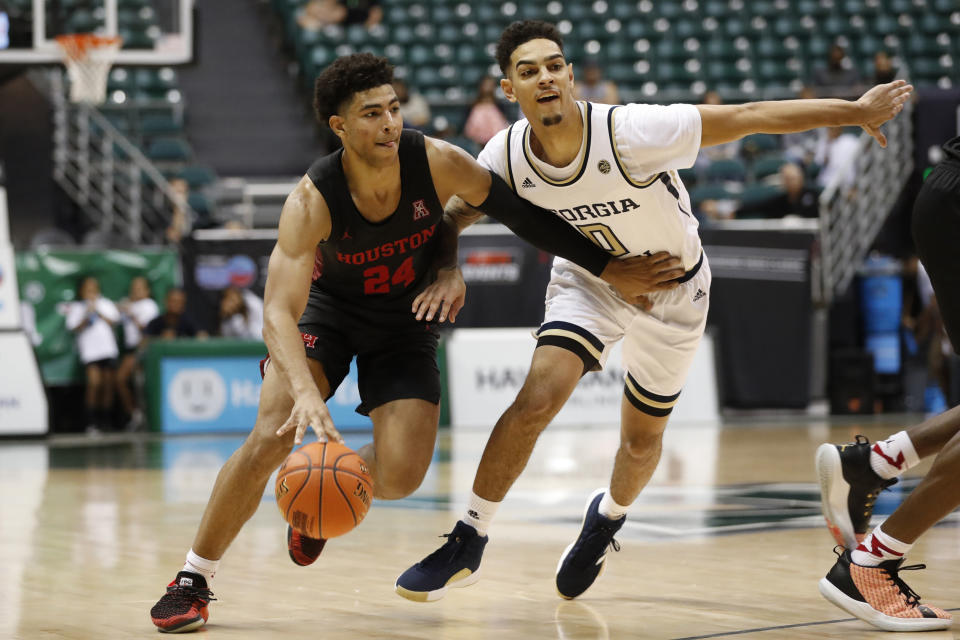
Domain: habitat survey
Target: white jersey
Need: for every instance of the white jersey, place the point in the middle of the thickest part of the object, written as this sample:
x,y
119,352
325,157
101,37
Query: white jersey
x,y
622,191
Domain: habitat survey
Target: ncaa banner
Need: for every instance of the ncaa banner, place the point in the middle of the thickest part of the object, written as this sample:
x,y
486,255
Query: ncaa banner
x,y
221,394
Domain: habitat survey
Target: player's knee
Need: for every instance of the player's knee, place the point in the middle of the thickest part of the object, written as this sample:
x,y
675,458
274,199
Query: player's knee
x,y
265,451
642,445
395,483
534,408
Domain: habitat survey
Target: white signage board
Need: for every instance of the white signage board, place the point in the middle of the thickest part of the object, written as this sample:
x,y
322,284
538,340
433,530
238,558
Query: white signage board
x,y
23,403
487,367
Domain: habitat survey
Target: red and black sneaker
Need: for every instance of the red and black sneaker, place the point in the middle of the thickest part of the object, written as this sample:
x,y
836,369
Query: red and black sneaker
x,y
184,606
303,550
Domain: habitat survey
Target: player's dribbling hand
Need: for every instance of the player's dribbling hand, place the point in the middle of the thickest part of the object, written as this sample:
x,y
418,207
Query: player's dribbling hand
x,y
446,294
633,277
311,411
880,104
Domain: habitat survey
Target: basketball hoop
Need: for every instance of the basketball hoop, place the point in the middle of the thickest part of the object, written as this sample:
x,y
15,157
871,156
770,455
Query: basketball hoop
x,y
88,58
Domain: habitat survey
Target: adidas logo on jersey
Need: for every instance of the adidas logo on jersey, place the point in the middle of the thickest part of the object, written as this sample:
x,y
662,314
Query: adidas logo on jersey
x,y
527,183
699,294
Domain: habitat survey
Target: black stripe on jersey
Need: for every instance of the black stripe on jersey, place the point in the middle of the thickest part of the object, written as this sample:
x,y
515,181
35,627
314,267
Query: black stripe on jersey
x,y
665,178
510,179
616,156
652,404
583,164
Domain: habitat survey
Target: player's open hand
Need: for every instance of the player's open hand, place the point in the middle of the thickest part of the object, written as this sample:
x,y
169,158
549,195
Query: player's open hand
x,y
633,277
310,410
446,295
880,104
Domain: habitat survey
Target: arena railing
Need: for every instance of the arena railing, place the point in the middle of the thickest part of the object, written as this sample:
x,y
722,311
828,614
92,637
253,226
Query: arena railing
x,y
120,191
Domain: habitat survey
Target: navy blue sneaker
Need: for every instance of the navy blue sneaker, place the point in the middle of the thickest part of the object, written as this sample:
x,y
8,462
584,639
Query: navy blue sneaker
x,y
848,489
583,561
455,564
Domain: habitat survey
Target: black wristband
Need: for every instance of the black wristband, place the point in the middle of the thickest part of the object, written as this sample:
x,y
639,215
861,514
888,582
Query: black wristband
x,y
542,228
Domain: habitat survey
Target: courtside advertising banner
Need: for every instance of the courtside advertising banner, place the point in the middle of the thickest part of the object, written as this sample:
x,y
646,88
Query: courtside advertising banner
x,y
487,368
221,394
23,404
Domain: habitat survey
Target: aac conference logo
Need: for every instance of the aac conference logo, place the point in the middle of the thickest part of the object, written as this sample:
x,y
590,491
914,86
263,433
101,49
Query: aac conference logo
x,y
197,394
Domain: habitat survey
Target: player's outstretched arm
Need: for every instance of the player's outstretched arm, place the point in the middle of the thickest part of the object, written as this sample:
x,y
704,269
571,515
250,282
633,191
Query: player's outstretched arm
x,y
724,123
304,222
456,173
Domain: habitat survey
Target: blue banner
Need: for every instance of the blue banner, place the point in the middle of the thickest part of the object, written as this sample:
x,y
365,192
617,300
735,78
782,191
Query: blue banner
x,y
221,394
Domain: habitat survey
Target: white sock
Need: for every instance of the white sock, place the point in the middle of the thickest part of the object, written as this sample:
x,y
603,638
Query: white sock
x,y
610,509
891,457
480,512
878,547
196,564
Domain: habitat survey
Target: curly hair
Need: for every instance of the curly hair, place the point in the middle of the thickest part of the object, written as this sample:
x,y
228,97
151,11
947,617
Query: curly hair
x,y
345,77
524,31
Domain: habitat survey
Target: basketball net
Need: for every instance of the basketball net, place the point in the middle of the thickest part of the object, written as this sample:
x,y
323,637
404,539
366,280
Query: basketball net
x,y
88,58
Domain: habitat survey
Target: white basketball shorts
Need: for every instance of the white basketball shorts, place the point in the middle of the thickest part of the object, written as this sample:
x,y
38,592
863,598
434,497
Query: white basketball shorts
x,y
585,315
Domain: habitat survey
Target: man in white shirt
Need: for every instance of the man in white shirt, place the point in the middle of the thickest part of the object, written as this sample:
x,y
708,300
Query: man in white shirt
x,y
612,173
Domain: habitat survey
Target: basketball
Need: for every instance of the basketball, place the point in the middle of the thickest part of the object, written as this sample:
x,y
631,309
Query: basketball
x,y
323,489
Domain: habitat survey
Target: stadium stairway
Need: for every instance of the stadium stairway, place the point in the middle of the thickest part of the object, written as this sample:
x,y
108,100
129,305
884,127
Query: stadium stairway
x,y
245,117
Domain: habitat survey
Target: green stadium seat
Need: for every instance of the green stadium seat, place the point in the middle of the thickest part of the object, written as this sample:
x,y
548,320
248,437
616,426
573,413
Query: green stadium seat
x,y
669,49
169,149
835,26
688,176
759,144
754,194
726,170
767,165
703,192
774,72
719,49
771,49
160,125
197,176
136,39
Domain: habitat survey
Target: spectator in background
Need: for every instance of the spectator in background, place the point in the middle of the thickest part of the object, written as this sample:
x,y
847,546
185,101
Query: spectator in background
x,y
179,224
838,74
593,88
796,199
91,318
136,312
317,14
836,153
174,323
883,71
725,151
413,106
486,116
241,314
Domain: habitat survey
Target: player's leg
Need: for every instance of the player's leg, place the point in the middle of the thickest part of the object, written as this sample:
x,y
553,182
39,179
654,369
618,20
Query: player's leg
x,y
91,396
582,319
658,350
235,497
865,581
106,393
554,373
124,376
404,435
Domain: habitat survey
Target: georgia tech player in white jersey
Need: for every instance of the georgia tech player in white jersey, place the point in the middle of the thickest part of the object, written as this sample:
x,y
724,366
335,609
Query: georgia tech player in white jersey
x,y
610,172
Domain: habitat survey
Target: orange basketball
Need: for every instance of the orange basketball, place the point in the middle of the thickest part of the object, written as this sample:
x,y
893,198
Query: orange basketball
x,y
323,489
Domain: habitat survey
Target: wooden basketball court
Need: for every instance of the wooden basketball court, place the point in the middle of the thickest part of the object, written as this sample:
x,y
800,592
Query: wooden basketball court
x,y
727,541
